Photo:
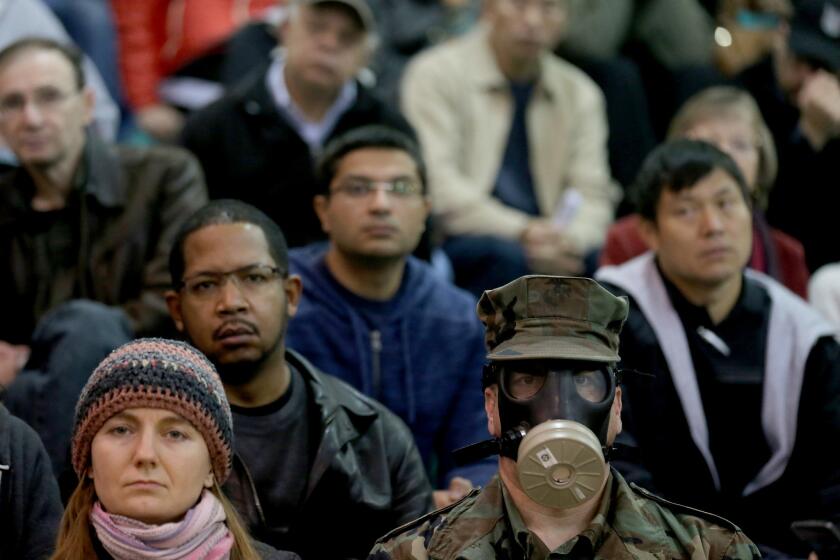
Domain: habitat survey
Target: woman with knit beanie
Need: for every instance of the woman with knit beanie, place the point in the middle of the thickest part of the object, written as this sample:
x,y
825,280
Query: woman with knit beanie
x,y
151,446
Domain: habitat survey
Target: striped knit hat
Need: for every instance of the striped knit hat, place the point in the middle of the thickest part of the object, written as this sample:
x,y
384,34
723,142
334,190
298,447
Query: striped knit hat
x,y
156,373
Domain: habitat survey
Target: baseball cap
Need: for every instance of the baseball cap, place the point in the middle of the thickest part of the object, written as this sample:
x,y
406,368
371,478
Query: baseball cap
x,y
359,7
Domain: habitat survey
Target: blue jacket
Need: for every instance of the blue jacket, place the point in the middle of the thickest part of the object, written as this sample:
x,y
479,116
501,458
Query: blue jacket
x,y
436,386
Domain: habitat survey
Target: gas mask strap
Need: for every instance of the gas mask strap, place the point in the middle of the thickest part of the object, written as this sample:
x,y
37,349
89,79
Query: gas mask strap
x,y
508,443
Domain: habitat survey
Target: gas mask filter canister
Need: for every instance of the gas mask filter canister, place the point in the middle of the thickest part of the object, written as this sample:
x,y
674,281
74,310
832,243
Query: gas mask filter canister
x,y
560,461
561,464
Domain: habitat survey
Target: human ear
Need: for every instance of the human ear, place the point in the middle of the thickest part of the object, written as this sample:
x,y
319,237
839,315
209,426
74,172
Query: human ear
x,y
320,203
491,408
615,425
88,103
293,287
648,232
173,304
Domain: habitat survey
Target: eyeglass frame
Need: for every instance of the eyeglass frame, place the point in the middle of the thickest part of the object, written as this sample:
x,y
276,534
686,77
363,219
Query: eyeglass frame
x,y
369,186
222,278
47,99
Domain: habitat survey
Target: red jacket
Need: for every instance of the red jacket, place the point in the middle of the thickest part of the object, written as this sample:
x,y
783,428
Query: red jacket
x,y
774,253
156,37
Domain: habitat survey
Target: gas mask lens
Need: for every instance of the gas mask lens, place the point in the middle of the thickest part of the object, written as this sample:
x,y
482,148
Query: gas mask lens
x,y
592,386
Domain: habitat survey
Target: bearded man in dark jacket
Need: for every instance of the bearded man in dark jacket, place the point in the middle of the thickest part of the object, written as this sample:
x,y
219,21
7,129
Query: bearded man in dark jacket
x,y
311,452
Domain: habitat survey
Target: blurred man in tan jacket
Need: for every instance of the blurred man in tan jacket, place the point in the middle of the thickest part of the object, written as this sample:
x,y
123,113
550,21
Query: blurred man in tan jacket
x,y
515,139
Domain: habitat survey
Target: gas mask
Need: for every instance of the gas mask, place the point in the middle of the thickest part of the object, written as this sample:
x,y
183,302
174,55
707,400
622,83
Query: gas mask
x,y
554,420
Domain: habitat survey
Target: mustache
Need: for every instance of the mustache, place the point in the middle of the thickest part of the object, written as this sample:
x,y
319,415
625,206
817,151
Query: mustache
x,y
235,326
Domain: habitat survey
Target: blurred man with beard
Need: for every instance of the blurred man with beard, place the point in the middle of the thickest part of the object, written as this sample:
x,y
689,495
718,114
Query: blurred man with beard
x,y
311,452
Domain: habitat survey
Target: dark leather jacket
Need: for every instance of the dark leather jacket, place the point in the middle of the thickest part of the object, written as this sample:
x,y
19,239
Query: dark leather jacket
x,y
366,479
115,235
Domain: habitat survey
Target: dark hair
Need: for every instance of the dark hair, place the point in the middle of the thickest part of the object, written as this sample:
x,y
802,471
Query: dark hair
x,y
228,211
371,136
72,54
677,165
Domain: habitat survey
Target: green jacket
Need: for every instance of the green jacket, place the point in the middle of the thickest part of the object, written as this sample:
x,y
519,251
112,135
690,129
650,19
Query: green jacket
x,y
630,523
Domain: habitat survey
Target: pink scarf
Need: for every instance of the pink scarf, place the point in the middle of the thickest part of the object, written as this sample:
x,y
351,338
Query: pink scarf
x,y
201,535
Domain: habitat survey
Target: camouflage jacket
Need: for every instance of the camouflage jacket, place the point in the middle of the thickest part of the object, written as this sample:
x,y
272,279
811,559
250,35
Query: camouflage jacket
x,y
630,523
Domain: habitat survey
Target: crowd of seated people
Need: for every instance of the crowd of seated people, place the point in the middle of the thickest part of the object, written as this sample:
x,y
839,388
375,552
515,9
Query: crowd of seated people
x,y
317,198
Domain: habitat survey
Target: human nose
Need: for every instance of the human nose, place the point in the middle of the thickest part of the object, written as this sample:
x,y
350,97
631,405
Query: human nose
x,y
145,450
231,298
32,112
380,197
712,220
329,39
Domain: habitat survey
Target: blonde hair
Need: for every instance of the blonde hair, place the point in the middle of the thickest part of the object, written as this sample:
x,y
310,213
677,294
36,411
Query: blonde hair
x,y
718,102
76,535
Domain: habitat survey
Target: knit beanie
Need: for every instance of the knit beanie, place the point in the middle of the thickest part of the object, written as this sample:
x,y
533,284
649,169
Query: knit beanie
x,y
156,373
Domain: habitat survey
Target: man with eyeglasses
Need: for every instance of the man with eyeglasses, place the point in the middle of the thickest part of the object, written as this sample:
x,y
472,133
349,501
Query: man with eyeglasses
x,y
259,142
515,140
320,469
85,229
381,319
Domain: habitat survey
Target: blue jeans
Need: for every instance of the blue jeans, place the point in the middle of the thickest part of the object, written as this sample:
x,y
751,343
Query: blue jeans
x,y
67,345
91,25
484,262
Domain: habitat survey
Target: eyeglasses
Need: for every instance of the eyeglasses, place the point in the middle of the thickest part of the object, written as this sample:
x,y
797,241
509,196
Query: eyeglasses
x,y
402,188
46,99
251,280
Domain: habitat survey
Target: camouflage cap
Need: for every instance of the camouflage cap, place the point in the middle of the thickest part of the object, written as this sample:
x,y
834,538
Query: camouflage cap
x,y
538,317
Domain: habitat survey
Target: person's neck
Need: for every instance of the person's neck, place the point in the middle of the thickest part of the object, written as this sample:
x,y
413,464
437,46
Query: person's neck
x,y
718,299
514,69
268,385
374,279
553,526
313,102
53,183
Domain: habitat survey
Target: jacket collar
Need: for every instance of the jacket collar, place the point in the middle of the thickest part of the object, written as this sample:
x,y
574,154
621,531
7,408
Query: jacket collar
x,y
330,401
98,175
486,71
343,413
254,99
484,516
485,521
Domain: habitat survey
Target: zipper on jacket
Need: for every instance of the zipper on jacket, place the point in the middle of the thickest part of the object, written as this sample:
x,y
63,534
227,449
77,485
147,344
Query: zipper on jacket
x,y
376,362
253,492
3,468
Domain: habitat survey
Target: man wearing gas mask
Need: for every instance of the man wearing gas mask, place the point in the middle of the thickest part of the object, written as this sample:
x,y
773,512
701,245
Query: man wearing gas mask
x,y
554,408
